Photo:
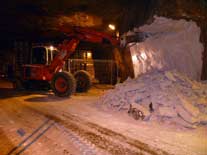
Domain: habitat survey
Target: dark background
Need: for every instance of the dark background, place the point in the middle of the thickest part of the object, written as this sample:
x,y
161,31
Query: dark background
x,y
38,21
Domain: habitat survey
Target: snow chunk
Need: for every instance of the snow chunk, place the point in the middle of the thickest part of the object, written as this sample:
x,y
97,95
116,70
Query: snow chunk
x,y
173,96
167,111
189,106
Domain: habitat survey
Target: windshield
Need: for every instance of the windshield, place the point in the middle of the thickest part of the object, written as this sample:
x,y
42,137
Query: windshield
x,y
38,55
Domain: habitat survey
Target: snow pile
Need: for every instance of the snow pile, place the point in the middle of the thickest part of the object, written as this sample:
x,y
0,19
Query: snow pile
x,y
175,98
170,44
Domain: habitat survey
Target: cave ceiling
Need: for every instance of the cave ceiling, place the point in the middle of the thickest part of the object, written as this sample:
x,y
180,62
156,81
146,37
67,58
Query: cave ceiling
x,y
20,17
34,18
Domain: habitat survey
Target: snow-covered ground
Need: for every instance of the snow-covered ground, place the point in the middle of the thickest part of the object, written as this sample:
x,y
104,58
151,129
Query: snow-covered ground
x,y
78,125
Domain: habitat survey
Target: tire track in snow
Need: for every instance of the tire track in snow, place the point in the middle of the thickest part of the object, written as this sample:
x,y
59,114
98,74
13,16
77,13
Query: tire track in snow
x,y
122,140
103,139
84,147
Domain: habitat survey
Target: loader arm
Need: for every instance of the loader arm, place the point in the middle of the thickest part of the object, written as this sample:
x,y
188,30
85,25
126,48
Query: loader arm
x,y
67,47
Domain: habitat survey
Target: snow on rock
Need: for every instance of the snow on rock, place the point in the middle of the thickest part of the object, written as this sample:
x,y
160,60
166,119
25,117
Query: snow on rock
x,y
170,44
175,98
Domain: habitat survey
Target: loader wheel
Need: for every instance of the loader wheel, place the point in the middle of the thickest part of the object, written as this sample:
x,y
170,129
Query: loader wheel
x,y
83,81
63,84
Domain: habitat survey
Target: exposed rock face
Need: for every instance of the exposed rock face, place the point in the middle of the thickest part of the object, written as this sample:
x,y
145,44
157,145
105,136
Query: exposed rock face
x,y
31,18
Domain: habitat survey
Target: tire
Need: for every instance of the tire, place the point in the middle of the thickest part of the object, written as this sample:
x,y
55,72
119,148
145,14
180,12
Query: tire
x,y
63,84
83,81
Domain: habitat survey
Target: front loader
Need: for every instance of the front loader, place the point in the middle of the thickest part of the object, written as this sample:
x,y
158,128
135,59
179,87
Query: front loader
x,y
47,64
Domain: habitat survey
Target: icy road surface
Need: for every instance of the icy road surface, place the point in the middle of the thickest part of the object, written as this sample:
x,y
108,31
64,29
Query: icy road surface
x,y
38,123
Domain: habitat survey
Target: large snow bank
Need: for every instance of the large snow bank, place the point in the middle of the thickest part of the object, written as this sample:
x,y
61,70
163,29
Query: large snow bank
x,y
170,44
175,98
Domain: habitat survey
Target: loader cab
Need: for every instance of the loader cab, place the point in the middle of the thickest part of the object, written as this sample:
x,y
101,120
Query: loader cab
x,y
43,54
